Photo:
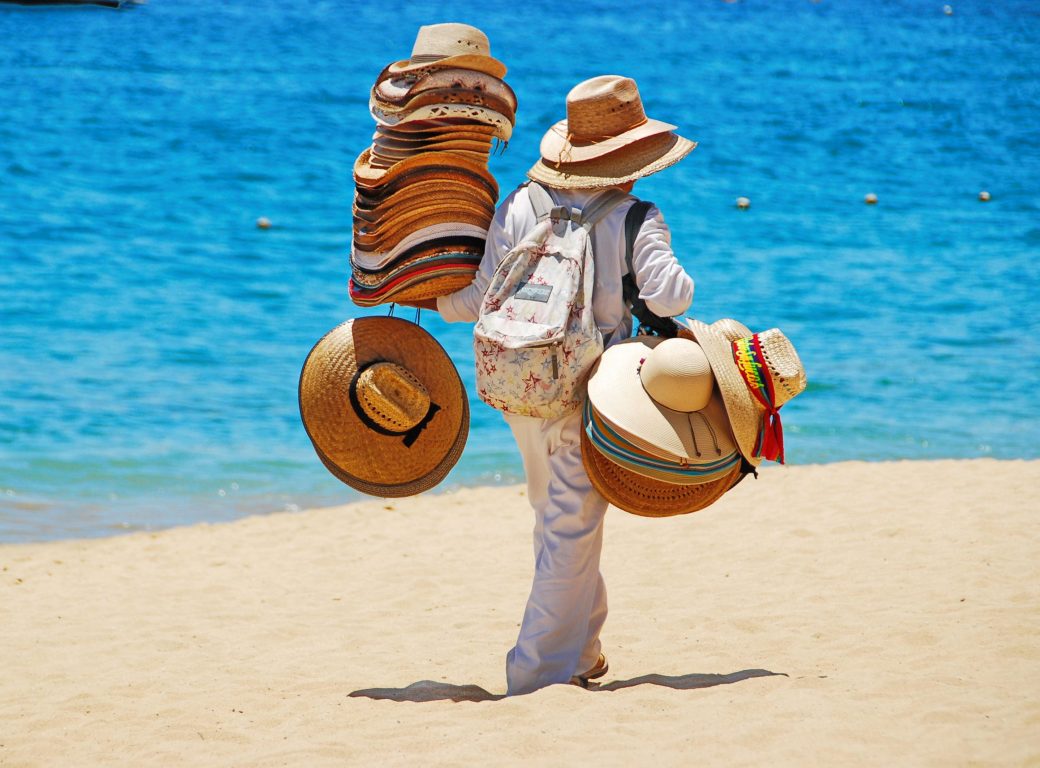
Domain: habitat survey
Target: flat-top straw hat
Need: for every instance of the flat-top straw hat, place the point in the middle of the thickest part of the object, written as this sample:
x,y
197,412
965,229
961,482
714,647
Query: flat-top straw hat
x,y
606,139
383,406
757,373
453,45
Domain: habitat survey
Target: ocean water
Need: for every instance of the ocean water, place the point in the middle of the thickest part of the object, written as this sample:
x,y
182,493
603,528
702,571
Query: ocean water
x,y
151,336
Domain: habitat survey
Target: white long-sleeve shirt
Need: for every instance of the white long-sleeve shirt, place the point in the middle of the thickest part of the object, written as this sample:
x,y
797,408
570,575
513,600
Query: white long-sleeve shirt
x,y
663,283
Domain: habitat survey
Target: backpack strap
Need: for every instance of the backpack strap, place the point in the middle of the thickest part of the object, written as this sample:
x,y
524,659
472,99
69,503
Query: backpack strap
x,y
541,202
544,206
648,321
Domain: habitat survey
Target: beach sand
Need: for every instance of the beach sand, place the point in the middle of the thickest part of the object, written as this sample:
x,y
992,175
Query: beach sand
x,y
853,614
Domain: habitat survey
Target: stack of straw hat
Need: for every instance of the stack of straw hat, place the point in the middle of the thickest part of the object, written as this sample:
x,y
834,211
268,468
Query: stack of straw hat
x,y
424,196
672,424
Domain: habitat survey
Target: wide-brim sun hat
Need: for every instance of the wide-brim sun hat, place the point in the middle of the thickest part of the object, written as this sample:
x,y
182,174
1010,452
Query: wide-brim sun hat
x,y
502,123
384,406
451,45
606,138
432,165
657,393
757,373
646,496
400,90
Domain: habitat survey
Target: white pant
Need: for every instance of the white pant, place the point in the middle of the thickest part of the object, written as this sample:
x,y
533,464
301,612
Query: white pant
x,y
559,636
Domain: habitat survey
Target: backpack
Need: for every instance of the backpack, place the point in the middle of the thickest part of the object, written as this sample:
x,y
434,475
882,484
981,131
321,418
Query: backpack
x,y
536,338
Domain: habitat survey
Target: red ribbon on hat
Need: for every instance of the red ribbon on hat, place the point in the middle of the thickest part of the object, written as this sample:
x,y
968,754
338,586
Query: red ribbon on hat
x,y
751,362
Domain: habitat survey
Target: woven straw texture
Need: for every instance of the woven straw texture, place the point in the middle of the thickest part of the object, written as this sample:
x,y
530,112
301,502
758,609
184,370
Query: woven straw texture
x,y
362,457
745,414
644,496
635,161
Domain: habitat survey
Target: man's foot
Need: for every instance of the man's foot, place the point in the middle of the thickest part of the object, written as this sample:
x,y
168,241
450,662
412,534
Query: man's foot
x,y
597,671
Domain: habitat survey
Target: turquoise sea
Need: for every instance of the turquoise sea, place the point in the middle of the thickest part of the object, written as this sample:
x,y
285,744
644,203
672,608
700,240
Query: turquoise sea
x,y
151,336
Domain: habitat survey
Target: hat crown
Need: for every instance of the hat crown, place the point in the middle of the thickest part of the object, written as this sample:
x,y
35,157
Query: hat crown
x,y
677,375
784,366
439,41
392,397
603,107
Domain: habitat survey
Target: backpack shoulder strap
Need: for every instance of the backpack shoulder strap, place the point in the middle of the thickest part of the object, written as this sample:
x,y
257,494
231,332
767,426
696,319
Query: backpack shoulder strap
x,y
541,202
600,207
648,321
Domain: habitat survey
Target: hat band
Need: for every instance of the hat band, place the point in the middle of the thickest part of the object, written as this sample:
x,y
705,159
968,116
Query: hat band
x,y
751,362
409,435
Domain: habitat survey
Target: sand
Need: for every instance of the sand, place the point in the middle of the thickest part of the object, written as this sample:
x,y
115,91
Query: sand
x,y
854,614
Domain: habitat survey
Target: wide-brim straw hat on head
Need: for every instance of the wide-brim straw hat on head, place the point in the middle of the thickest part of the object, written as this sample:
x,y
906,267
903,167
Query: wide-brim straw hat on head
x,y
383,406
606,139
757,373
452,45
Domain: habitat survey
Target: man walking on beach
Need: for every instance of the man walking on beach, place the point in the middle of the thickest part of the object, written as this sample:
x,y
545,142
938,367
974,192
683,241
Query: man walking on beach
x,y
606,142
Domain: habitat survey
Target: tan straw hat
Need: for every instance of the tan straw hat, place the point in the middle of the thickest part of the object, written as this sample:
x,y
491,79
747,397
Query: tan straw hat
x,y
452,45
757,373
606,139
647,496
384,406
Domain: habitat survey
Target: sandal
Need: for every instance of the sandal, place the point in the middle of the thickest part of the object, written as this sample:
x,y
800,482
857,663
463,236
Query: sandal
x,y
597,671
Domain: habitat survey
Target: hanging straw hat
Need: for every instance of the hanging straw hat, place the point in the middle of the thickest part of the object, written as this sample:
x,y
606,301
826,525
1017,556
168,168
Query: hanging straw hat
x,y
646,496
606,139
657,393
384,406
757,373
440,46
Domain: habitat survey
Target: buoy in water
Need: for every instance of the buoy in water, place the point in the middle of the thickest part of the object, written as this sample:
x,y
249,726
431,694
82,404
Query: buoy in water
x,y
984,196
263,223
870,199
743,203
948,10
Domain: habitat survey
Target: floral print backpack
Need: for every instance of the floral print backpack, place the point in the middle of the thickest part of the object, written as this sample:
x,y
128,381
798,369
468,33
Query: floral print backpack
x,y
536,338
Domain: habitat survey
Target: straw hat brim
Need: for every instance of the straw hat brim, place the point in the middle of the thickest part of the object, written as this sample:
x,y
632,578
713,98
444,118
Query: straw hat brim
x,y
745,415
616,392
634,161
555,146
477,62
372,462
448,96
646,496
445,164
399,90
502,124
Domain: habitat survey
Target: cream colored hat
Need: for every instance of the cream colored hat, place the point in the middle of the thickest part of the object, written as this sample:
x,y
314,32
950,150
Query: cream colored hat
x,y
383,406
606,139
449,45
657,393
757,373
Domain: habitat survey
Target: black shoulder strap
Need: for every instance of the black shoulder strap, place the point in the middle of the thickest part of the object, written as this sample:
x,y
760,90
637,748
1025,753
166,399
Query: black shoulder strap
x,y
648,321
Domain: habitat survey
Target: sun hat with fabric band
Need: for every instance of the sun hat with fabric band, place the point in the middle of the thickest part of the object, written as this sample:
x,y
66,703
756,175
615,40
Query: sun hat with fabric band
x,y
449,45
383,406
606,139
658,393
757,373
647,496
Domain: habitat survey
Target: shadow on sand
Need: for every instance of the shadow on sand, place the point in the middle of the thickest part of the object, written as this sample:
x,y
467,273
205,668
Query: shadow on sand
x,y
429,690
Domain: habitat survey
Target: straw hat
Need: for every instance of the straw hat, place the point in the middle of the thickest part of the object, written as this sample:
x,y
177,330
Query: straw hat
x,y
436,165
399,91
383,406
756,373
606,139
457,46
657,393
648,496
